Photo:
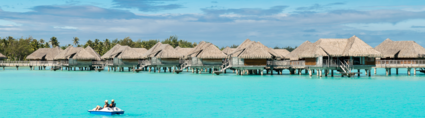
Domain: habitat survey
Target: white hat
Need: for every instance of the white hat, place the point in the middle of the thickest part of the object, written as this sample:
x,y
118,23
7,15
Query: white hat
x,y
106,100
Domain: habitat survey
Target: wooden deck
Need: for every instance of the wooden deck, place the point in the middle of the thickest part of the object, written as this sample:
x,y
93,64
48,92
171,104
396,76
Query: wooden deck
x,y
29,63
400,64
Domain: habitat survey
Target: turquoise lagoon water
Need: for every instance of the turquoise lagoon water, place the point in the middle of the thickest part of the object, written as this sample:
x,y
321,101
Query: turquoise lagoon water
x,y
44,93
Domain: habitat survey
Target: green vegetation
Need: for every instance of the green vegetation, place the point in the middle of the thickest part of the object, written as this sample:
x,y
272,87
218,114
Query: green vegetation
x,y
232,46
289,48
18,49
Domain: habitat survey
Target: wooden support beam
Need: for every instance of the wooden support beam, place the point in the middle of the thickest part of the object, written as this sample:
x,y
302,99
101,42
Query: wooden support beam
x,y
387,71
408,71
358,72
374,69
396,71
414,71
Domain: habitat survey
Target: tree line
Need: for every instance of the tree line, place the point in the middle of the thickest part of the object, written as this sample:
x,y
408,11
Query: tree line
x,y
19,48
16,49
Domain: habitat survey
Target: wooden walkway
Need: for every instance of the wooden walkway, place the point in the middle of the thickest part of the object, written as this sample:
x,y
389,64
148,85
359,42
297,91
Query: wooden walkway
x,y
29,63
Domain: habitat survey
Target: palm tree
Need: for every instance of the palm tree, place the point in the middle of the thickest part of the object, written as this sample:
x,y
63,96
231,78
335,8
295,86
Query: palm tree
x,y
42,43
76,41
54,41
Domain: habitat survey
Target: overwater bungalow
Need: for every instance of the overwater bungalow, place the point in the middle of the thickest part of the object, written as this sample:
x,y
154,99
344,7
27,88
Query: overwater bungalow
x,y
83,58
161,56
400,54
205,56
131,58
296,62
343,55
251,58
112,55
228,50
43,57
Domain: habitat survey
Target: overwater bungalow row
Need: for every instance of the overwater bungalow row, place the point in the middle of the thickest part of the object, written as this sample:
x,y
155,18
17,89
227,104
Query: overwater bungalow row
x,y
325,56
401,54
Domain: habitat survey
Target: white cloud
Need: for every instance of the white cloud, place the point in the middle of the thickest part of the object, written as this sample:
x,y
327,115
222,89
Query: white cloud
x,y
8,23
404,25
64,27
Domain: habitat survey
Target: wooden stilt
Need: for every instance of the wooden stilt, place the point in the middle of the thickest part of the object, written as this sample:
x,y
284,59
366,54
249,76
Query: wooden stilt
x,y
310,72
387,71
358,72
396,71
408,71
374,69
414,71
326,73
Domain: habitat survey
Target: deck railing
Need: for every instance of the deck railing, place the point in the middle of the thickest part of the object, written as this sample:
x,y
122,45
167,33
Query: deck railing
x,y
297,63
108,62
279,63
145,62
400,63
29,63
331,63
98,62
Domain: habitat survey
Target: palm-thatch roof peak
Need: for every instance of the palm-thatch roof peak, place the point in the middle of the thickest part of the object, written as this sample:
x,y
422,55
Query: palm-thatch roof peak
x,y
281,52
353,46
255,50
206,51
114,51
47,53
69,51
303,48
400,49
132,53
228,50
160,50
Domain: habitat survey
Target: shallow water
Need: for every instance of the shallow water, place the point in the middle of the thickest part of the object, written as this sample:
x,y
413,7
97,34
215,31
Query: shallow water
x,y
45,93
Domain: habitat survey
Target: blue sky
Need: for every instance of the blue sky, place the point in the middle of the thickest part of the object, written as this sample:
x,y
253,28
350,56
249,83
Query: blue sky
x,y
222,22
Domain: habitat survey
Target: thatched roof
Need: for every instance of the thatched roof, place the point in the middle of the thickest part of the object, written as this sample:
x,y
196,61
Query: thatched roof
x,y
47,53
228,50
160,50
132,53
183,51
2,56
87,54
254,50
403,49
340,47
79,53
281,52
69,51
114,51
294,55
206,51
